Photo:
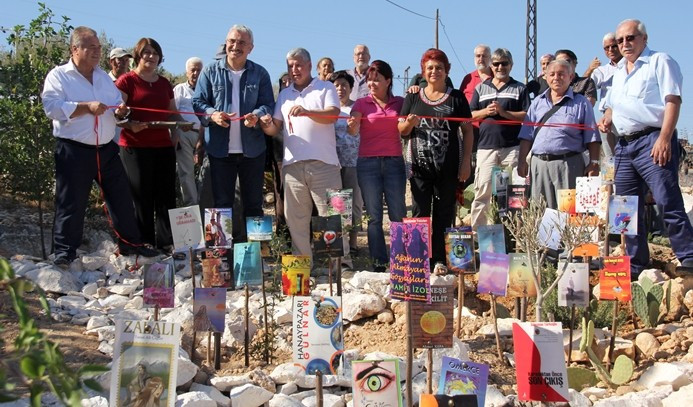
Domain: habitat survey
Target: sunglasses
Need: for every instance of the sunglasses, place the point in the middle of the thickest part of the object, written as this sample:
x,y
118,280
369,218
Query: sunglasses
x,y
628,38
500,63
612,46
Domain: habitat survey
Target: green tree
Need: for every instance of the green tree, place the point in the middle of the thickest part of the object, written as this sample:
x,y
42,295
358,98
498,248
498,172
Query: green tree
x,y
27,144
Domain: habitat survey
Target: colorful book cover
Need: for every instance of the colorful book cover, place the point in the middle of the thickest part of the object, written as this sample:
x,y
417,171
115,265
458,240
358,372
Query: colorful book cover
x,y
433,322
520,280
247,264
458,378
218,227
158,284
259,228
376,383
459,249
539,362
614,279
491,238
217,268
427,223
587,196
552,225
586,250
440,400
518,197
296,275
573,286
499,180
327,236
209,309
607,169
566,201
493,274
317,334
339,202
410,271
145,363
623,215
186,228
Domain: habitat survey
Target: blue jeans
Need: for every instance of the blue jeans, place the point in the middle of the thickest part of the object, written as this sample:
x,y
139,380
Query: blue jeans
x,y
635,172
378,176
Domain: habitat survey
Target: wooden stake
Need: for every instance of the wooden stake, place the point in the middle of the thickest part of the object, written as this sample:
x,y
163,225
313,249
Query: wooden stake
x,y
523,309
460,303
192,268
192,345
318,388
612,343
329,274
429,372
495,326
264,301
518,305
246,337
410,356
570,337
339,276
209,348
217,350
156,312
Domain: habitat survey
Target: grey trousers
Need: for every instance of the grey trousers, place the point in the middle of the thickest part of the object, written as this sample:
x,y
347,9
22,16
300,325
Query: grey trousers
x,y
550,176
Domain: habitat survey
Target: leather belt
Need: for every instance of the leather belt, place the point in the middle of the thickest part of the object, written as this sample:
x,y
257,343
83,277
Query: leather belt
x,y
553,157
644,132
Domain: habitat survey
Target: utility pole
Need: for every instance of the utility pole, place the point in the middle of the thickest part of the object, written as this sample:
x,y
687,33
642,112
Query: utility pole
x,y
436,29
531,41
406,79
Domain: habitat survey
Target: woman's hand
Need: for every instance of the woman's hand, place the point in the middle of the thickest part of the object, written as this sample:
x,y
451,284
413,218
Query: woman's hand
x,y
137,127
413,119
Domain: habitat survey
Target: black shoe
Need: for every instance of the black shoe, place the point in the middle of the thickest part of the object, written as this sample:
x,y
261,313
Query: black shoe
x,y
63,262
685,269
144,251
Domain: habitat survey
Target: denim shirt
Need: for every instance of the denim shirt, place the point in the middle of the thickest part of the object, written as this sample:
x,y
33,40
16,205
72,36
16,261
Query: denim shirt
x,y
213,93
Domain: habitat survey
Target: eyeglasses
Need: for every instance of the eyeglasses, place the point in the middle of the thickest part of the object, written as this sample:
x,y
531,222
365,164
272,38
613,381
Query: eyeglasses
x,y
612,46
500,63
628,38
240,43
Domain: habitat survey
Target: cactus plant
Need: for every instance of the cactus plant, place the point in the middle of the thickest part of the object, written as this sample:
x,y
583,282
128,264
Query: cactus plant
x,y
580,377
647,298
623,366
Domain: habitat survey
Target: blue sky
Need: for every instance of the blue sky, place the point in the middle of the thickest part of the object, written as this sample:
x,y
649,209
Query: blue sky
x,y
329,28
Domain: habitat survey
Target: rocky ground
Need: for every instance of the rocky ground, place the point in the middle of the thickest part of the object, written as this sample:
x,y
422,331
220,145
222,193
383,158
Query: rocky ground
x,y
102,287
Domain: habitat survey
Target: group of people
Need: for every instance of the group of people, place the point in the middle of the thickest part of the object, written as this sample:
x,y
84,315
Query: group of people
x,y
346,129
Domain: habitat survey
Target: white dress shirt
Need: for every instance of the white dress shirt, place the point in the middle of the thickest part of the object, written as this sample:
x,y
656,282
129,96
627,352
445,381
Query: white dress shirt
x,y
64,89
183,95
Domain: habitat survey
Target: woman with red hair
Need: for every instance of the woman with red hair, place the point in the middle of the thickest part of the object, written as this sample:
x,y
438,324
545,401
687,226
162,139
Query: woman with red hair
x,y
437,156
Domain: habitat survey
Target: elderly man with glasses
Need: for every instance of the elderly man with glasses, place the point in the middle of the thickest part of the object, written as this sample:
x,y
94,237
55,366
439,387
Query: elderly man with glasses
x,y
642,108
497,98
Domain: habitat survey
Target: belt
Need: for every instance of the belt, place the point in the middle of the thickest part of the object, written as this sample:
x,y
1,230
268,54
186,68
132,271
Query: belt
x,y
636,135
553,157
78,144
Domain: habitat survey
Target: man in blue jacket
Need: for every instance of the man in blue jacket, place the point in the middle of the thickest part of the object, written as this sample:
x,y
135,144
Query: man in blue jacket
x,y
234,91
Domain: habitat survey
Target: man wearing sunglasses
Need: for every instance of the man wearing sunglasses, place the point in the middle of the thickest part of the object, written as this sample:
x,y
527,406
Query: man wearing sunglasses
x,y
642,108
602,74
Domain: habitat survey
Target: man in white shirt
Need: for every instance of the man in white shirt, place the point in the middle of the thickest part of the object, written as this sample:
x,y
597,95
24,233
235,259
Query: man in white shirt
x,y
308,109
188,140
362,59
77,96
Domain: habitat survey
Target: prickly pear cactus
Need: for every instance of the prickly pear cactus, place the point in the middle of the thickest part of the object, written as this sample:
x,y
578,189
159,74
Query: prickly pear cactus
x,y
646,300
622,370
580,377
640,303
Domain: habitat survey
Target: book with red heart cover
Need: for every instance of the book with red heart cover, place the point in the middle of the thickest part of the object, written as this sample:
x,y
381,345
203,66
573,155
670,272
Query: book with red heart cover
x,y
327,236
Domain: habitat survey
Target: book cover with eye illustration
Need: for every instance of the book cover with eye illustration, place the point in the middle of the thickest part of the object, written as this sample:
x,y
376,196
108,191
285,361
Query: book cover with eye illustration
x,y
573,286
520,280
566,201
209,309
295,275
493,274
491,238
339,202
218,227
410,271
217,268
623,215
433,323
186,228
376,383
247,264
259,228
158,284
318,341
145,366
458,378
539,362
327,236
587,196
459,249
614,279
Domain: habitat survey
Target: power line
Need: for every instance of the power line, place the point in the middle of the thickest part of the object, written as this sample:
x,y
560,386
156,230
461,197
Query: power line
x,y
406,9
450,42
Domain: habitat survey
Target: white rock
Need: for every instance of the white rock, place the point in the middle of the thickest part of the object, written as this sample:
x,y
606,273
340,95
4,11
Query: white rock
x,y
679,398
419,384
92,277
80,319
22,267
282,400
289,388
505,327
89,289
465,313
282,315
114,301
132,314
646,398
105,333
71,301
676,374
447,279
183,290
135,303
646,344
285,373
122,289
180,314
234,334
213,393
249,395
226,383
460,350
597,392
97,322
361,305
105,348
96,401
494,397
186,369
309,381
329,400
361,278
578,399
92,262
195,399
655,275
53,280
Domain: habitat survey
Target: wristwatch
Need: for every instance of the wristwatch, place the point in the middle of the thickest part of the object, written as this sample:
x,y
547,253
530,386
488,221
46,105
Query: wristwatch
x,y
594,162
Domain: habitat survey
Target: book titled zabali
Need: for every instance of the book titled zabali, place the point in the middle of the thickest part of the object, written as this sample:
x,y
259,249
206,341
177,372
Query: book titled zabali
x,y
144,363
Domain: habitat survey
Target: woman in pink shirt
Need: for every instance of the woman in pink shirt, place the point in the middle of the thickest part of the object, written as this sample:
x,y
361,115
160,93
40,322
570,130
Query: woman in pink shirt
x,y
380,166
